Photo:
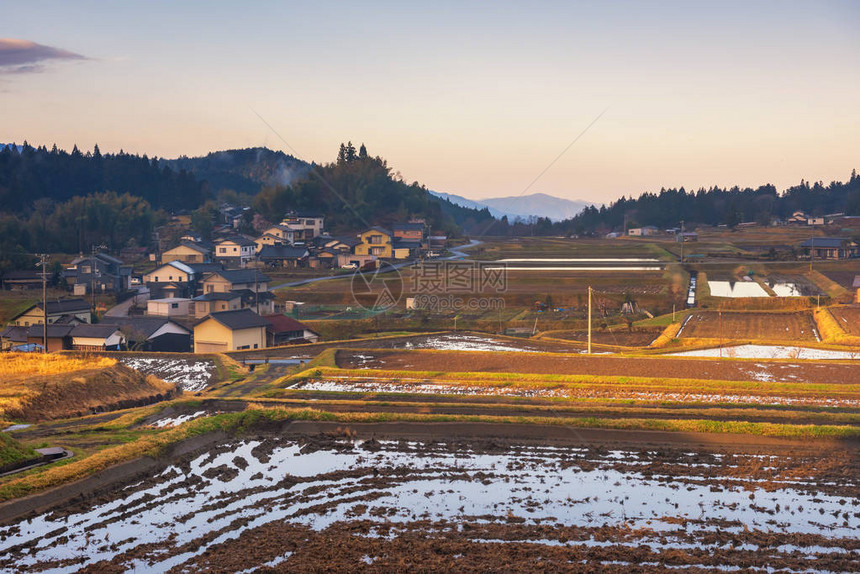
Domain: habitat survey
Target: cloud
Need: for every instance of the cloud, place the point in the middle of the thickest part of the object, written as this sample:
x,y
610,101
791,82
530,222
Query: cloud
x,y
26,57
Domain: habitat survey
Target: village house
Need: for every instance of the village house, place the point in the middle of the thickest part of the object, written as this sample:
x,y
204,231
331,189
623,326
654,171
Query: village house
x,y
283,256
235,252
214,302
174,279
283,330
830,247
22,280
155,334
101,272
375,241
227,280
171,307
62,310
101,337
187,252
798,218
232,214
249,284
59,336
268,240
309,225
230,331
13,336
284,233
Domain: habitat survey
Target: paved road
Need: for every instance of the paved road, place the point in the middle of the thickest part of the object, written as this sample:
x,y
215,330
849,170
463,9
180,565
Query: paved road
x,y
456,253
121,310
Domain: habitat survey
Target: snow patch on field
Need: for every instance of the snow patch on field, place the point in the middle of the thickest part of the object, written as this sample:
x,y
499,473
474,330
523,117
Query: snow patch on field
x,y
420,387
769,352
190,374
468,343
177,420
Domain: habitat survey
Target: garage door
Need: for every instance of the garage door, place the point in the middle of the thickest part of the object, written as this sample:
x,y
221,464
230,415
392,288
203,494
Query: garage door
x,y
203,347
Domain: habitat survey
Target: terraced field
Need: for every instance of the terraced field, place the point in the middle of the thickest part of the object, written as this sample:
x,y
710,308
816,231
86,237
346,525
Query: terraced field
x,y
747,326
342,503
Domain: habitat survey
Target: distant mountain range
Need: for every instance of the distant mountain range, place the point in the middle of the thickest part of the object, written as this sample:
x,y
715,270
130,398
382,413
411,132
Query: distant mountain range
x,y
523,207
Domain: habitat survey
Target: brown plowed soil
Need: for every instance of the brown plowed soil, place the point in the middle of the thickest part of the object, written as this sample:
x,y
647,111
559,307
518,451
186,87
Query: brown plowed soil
x,y
750,326
832,372
848,318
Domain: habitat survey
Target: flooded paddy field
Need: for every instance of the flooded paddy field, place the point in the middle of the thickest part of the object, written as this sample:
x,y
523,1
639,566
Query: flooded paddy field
x,y
388,385
337,503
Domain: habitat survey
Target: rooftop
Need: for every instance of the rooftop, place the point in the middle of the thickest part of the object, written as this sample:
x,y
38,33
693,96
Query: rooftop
x,y
242,275
283,324
99,331
242,319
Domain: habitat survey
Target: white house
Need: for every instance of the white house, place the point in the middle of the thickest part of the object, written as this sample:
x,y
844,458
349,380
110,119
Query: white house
x,y
169,307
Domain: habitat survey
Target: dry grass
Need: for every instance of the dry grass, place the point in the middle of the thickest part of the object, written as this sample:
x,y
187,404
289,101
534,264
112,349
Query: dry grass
x,y
30,364
832,331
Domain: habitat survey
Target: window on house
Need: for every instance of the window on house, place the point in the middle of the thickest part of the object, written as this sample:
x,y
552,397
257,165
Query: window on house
x,y
234,250
222,250
174,305
255,345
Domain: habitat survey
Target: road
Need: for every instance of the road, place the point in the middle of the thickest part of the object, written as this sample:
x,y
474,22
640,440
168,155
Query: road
x,y
121,310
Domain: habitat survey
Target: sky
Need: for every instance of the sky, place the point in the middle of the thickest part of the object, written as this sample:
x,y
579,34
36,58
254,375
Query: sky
x,y
586,101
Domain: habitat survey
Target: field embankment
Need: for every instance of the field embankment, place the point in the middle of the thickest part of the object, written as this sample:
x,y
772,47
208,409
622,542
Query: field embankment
x,y
36,387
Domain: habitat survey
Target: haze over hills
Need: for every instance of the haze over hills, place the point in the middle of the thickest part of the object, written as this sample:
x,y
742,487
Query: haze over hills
x,y
523,207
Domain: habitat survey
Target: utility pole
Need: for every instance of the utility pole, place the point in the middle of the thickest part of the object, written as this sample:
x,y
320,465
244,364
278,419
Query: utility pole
x,y
682,241
257,290
720,315
589,319
93,277
42,263
811,246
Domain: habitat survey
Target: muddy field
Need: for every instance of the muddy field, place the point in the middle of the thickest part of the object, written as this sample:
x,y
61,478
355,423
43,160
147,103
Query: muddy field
x,y
849,318
386,385
620,337
606,365
750,326
336,503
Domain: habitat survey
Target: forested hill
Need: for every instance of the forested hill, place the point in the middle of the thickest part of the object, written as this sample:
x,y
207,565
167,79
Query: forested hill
x,y
359,190
56,201
717,206
244,171
57,175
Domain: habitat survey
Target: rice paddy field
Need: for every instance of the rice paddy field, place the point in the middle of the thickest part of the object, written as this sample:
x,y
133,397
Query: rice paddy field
x,y
750,326
447,450
361,504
